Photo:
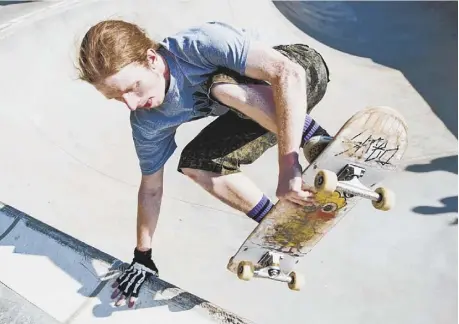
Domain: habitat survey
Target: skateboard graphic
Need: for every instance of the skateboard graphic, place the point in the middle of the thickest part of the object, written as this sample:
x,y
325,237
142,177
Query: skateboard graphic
x,y
366,150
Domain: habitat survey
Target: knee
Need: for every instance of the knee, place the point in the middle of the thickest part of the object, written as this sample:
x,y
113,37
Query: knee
x,y
190,173
193,174
200,177
229,94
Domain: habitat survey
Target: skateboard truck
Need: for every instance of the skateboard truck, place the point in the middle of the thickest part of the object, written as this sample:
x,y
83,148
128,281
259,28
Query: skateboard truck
x,y
270,262
270,269
348,182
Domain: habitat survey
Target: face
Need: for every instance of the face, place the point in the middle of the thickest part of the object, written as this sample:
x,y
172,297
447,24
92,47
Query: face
x,y
137,86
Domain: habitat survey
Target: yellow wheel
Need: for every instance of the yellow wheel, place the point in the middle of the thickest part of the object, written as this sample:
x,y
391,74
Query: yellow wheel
x,y
386,199
297,281
326,181
245,270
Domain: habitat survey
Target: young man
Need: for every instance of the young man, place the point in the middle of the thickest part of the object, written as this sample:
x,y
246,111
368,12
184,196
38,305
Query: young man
x,y
261,95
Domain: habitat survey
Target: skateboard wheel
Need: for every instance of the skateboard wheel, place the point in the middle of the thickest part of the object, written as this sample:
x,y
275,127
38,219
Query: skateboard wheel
x,y
326,181
245,270
386,199
297,281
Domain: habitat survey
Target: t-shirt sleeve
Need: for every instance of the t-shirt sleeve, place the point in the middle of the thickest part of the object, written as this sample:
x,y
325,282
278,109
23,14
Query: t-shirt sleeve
x,y
153,148
212,45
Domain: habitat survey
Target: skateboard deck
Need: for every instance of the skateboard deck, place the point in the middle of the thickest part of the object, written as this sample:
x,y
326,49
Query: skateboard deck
x,y
367,149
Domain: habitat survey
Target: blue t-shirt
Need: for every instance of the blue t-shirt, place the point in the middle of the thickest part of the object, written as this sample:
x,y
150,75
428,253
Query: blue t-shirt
x,y
191,55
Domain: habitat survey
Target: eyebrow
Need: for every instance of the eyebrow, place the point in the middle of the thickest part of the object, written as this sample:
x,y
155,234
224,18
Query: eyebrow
x,y
111,93
133,85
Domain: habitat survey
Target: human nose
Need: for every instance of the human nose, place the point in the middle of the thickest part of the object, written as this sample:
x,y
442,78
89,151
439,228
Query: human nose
x,y
130,101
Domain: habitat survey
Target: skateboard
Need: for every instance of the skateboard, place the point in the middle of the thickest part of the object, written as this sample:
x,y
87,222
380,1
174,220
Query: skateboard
x,y
366,150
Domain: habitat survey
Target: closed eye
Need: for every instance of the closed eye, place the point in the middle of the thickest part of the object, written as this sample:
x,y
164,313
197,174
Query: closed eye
x,y
135,86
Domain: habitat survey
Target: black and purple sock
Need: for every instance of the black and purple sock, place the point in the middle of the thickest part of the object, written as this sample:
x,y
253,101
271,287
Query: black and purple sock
x,y
311,128
261,209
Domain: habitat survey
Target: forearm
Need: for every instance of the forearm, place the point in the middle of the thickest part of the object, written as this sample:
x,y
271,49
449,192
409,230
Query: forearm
x,y
290,101
149,205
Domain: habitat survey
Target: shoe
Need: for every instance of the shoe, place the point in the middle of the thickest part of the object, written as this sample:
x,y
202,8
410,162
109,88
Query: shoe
x,y
315,146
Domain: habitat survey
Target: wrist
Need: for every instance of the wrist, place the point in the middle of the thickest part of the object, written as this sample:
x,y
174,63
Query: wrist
x,y
144,258
142,255
289,160
142,248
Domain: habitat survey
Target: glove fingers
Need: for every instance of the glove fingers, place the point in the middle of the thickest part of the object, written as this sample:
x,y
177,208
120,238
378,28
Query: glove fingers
x,y
123,276
131,283
120,301
132,301
116,293
138,284
128,284
124,281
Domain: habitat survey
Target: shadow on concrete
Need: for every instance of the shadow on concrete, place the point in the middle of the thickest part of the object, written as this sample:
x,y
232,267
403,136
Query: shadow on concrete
x,y
415,37
447,163
179,303
31,237
449,204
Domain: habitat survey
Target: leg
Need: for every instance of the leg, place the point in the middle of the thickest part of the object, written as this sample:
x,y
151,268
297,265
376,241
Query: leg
x,y
247,133
235,190
212,159
254,99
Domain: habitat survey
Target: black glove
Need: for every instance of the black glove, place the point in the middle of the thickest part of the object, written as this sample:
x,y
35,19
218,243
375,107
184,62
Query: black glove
x,y
142,267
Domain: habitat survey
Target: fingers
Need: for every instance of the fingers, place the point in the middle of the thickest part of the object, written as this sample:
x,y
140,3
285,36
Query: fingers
x,y
301,202
115,293
303,195
121,301
132,301
118,290
128,284
301,198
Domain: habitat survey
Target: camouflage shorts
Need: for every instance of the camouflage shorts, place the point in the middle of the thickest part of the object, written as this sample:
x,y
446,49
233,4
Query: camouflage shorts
x,y
232,139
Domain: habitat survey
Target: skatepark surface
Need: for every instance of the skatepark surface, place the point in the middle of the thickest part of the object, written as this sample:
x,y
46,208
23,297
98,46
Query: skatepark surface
x,y
69,174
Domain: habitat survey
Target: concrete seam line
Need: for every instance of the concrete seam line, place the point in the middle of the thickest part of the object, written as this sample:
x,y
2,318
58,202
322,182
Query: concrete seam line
x,y
28,304
104,280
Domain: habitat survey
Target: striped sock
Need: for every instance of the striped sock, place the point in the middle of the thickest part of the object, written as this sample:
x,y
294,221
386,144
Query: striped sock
x,y
261,209
311,128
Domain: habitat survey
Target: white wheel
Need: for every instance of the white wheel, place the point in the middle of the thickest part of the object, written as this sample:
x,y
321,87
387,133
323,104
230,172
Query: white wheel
x,y
326,181
386,199
245,270
297,281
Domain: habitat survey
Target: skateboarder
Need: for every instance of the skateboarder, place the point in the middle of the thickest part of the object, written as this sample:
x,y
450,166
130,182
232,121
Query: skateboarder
x,y
261,95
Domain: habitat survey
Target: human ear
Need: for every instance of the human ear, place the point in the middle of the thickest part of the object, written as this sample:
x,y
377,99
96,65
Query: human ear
x,y
151,57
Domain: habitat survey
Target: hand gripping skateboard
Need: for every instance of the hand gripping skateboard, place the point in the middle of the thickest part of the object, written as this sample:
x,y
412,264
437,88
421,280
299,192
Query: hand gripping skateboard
x,y
366,150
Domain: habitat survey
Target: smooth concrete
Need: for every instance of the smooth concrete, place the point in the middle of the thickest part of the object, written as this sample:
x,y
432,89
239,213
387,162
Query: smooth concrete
x,y
68,160
14,309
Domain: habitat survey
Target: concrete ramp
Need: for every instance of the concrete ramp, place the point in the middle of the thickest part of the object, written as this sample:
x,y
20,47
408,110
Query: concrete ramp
x,y
67,159
48,276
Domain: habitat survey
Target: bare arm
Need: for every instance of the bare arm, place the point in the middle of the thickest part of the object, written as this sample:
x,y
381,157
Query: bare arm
x,y
288,81
149,204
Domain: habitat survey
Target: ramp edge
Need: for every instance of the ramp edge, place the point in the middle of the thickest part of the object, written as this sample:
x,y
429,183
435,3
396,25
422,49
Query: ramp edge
x,y
214,312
